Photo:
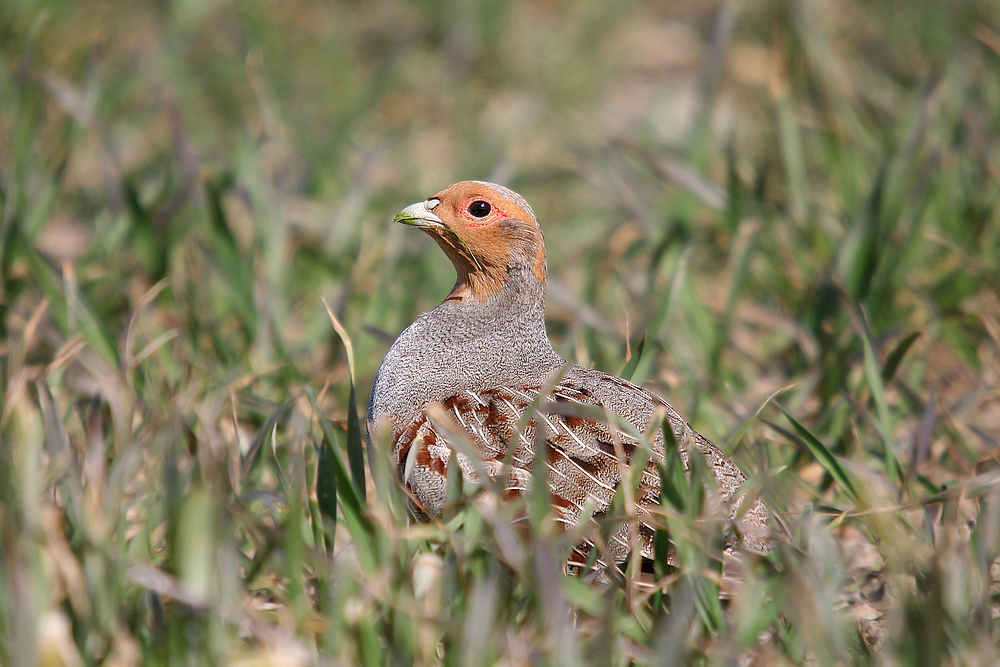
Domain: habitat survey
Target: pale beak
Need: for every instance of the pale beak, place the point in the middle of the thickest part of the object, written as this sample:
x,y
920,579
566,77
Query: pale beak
x,y
420,215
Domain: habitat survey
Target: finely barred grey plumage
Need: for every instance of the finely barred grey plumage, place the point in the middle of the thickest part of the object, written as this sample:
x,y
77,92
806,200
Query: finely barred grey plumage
x,y
482,356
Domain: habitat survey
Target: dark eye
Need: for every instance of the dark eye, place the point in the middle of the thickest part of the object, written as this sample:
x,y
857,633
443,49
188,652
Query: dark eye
x,y
480,209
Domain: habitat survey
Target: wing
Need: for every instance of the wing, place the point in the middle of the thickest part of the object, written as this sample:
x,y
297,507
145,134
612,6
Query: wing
x,y
586,454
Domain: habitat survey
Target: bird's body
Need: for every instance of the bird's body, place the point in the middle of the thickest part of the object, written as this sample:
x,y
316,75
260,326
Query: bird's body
x,y
482,357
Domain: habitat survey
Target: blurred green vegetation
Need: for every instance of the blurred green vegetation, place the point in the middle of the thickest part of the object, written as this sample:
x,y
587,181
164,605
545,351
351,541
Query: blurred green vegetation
x,y
795,205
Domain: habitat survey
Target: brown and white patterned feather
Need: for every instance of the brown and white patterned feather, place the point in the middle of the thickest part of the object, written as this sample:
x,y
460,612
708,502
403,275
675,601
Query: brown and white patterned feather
x,y
583,466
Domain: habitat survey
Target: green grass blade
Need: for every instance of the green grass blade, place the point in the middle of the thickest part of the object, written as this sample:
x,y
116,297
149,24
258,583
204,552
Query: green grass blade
x,y
629,370
824,457
355,446
352,502
873,374
326,486
896,356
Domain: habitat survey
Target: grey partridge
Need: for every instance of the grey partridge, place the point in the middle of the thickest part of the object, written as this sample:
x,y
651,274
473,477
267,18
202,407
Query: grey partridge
x,y
481,358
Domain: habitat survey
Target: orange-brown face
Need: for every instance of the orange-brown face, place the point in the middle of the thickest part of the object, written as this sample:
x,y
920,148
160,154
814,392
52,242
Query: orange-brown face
x,y
485,229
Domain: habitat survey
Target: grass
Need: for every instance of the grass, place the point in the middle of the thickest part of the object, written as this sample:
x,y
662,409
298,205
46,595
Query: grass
x,y
786,219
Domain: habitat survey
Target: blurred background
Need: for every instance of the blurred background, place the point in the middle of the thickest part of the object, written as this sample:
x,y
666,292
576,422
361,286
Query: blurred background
x,y
756,159
741,200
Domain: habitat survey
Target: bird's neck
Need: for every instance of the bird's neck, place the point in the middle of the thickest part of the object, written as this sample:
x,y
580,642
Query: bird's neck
x,y
513,272
477,286
513,315
515,288
505,332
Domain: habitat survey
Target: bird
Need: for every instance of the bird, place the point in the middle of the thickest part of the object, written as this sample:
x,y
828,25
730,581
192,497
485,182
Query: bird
x,y
470,369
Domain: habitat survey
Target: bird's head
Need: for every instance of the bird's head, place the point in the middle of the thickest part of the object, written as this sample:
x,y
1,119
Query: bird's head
x,y
489,233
